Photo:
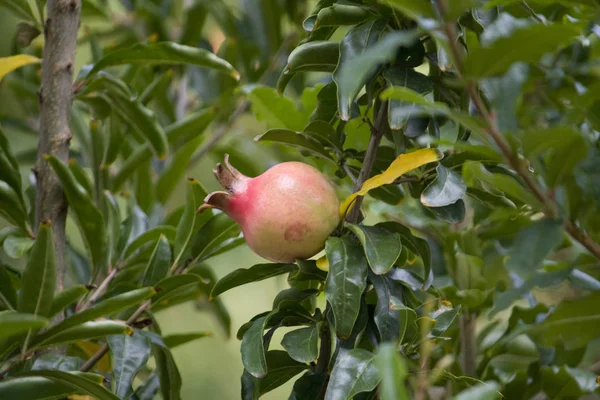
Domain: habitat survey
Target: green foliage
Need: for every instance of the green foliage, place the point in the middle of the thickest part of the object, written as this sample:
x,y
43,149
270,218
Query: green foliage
x,y
473,276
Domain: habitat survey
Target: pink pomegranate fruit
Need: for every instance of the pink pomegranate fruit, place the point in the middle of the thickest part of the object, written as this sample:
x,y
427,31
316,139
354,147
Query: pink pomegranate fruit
x,y
286,213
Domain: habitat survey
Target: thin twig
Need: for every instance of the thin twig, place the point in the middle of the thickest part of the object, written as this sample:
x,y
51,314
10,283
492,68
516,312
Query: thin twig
x,y
532,12
549,206
468,343
377,131
99,290
89,364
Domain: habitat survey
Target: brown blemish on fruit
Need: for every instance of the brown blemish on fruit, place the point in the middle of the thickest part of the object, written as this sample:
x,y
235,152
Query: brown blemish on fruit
x,y
295,232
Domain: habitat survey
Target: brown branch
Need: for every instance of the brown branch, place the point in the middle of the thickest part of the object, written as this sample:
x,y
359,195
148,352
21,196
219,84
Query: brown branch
x,y
468,343
549,206
99,290
89,364
55,97
377,131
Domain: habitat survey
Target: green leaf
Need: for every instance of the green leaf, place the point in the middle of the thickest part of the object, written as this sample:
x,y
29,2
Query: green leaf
x,y
408,317
352,48
256,273
382,248
253,349
35,388
326,104
564,382
399,111
39,276
527,44
14,323
106,307
67,297
316,56
354,372
76,381
164,53
89,217
447,188
8,293
346,281
301,344
532,245
481,391
275,110
173,173
81,176
151,235
281,369
171,286
183,338
20,8
189,127
295,139
159,263
143,120
387,318
573,323
129,355
168,373
17,246
503,93
443,320
216,233
190,220
416,9
85,331
393,371
11,207
474,172
339,14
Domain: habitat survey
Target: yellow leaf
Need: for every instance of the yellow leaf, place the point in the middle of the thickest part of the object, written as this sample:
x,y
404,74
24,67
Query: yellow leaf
x,y
400,166
323,264
91,348
8,64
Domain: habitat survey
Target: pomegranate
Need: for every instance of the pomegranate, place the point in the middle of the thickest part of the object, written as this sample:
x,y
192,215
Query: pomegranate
x,y
286,213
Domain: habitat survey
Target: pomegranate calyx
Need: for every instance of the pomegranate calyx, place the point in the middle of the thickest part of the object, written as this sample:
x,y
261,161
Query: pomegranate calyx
x,y
228,176
217,200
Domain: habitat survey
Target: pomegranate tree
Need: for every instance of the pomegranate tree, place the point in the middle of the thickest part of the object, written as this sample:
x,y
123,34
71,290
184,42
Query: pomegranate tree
x,y
286,213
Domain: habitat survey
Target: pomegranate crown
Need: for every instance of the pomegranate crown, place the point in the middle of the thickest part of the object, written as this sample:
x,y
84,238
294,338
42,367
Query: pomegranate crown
x,y
228,176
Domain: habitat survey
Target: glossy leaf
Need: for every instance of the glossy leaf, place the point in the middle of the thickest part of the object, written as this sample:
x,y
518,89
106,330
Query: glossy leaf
x,y
276,111
341,14
308,386
84,331
14,323
382,248
8,294
89,217
190,220
66,297
159,263
150,236
398,110
527,44
407,317
386,318
106,307
353,46
11,207
414,8
301,344
253,348
8,64
443,320
401,165
296,139
318,55
39,276
168,373
256,273
393,371
447,188
217,232
346,281
76,381
183,338
354,372
532,245
34,387
484,390
171,286
17,246
129,355
164,53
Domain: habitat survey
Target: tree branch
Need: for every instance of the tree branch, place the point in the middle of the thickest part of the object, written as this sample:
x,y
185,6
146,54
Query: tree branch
x,y
377,131
468,343
549,206
55,97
